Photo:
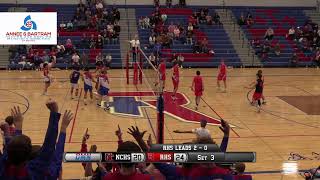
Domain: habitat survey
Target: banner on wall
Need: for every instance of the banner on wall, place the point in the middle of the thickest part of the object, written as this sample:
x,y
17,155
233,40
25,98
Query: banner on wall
x,y
28,28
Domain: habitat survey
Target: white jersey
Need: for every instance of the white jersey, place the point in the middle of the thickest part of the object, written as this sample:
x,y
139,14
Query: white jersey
x,y
87,79
202,132
103,81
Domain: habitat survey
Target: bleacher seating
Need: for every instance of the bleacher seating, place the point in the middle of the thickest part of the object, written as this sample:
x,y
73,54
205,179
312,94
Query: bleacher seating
x,y
216,35
280,19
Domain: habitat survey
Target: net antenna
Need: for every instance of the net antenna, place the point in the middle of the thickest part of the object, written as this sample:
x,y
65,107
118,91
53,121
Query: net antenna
x,y
158,91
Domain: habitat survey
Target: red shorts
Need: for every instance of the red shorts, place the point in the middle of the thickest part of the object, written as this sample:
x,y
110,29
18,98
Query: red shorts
x,y
222,77
198,93
257,96
175,83
162,77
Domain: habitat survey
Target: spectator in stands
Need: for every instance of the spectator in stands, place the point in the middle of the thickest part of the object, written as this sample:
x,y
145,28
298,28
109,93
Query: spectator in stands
x,y
256,43
117,28
45,57
99,42
60,50
116,14
70,26
164,17
182,3
189,37
141,22
277,49
152,59
156,3
146,22
239,172
92,42
114,37
291,33
169,3
269,34
84,43
316,60
316,42
209,19
62,25
202,17
68,46
108,60
294,60
152,40
171,29
99,58
75,59
216,19
242,20
105,35
176,33
197,48
135,45
180,60
174,57
204,45
84,59
8,127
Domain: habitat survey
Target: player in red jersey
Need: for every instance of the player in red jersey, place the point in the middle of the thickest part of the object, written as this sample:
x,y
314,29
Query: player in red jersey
x,y
198,88
257,95
222,76
175,79
162,74
47,78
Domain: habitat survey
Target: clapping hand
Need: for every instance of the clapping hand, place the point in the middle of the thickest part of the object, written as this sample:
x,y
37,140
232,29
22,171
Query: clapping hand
x,y
225,128
17,117
67,118
135,132
119,133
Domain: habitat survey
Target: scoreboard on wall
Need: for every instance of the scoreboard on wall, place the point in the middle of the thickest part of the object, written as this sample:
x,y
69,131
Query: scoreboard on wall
x,y
161,153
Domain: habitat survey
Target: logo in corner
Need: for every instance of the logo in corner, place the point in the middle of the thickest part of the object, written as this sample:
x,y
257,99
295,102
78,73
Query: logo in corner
x,y
28,24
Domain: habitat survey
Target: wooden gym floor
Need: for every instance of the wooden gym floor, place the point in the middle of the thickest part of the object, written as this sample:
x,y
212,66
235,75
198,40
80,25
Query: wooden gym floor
x,y
286,125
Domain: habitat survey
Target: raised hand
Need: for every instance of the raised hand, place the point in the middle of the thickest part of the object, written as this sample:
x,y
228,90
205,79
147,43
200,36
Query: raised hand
x,y
149,141
52,106
225,128
17,117
67,118
135,132
85,136
119,133
93,148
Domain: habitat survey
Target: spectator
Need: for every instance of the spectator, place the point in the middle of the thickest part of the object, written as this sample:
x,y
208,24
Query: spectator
x,y
316,60
189,37
216,19
99,42
152,59
84,59
62,25
171,29
60,50
116,14
45,57
256,43
269,34
114,37
209,19
182,3
105,35
152,40
99,6
239,172
117,28
75,59
146,22
204,45
242,20
70,26
84,43
141,22
108,61
291,33
190,27
92,42
202,17
197,48
135,45
8,127
277,49
99,58
174,57
180,60
156,3
176,33
68,46
169,3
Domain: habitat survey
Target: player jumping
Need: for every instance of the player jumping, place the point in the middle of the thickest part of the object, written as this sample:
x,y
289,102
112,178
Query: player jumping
x,y
175,79
47,78
103,89
222,76
258,92
74,78
87,79
197,87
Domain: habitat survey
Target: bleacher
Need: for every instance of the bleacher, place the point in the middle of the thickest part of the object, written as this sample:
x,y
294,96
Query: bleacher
x,y
216,35
280,19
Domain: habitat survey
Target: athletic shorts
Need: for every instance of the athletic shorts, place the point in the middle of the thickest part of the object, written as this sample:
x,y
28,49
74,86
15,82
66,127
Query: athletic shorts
x,y
198,93
175,82
74,85
256,96
103,91
222,77
162,77
87,88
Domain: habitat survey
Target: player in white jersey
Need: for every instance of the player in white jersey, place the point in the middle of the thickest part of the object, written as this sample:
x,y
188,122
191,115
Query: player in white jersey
x,y
87,79
103,89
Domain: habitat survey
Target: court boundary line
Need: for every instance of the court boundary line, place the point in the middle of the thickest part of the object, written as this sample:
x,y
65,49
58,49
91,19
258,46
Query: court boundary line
x,y
75,116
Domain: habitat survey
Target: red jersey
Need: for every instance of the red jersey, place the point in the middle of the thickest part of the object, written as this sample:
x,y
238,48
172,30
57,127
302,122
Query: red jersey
x,y
162,71
198,84
223,69
176,72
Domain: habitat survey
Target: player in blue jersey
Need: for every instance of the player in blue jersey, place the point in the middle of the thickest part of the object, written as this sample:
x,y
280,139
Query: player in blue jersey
x,y
74,78
103,89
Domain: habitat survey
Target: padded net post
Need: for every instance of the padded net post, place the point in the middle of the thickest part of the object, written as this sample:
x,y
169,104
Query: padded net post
x,y
127,68
160,120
